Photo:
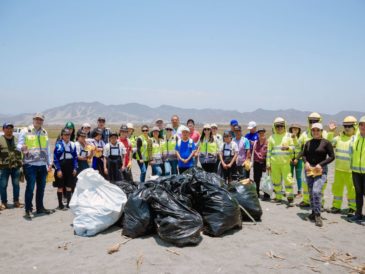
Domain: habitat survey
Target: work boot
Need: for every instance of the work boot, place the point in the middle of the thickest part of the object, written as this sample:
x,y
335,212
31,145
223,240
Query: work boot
x,y
334,210
355,219
44,211
4,206
29,215
303,204
350,212
290,202
311,216
318,220
17,204
60,203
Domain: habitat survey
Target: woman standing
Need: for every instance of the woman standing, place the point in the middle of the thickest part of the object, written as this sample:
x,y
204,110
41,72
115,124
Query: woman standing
x,y
65,161
228,156
142,154
208,150
259,161
169,152
317,154
82,153
156,159
98,143
297,163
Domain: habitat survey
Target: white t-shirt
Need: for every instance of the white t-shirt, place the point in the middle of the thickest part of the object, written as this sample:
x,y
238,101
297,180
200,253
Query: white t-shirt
x,y
80,150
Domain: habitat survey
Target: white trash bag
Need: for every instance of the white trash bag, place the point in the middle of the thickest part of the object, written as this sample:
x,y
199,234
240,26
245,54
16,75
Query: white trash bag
x,y
266,184
96,203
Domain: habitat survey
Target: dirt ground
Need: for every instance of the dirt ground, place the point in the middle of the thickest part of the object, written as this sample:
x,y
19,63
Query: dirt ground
x,y
282,243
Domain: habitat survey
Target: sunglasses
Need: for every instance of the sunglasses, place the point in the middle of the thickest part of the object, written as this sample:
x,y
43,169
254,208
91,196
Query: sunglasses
x,y
168,129
144,130
316,130
207,129
279,126
347,126
313,121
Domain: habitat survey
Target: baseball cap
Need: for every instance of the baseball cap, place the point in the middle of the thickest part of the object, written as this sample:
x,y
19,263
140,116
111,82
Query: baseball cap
x,y
101,119
251,125
123,128
237,127
168,126
113,134
86,125
130,125
7,124
213,125
65,131
184,128
159,120
38,115
234,122
155,129
261,130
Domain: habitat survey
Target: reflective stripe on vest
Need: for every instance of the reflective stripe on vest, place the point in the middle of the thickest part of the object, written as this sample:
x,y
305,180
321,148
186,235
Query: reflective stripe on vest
x,y
37,146
156,150
208,152
168,147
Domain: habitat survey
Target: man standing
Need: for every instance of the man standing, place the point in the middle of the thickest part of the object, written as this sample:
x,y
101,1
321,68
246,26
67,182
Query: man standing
x,y
244,152
33,142
10,163
252,136
105,131
175,122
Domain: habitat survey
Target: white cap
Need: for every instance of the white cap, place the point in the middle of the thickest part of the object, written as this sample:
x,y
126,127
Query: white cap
x,y
317,125
184,128
86,125
207,126
251,125
214,125
130,125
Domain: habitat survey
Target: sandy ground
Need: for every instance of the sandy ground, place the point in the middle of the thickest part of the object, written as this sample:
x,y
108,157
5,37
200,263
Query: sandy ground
x,y
47,245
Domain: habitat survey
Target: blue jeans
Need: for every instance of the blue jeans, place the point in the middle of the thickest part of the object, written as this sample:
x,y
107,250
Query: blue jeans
x,y
34,175
143,168
298,173
5,173
157,169
315,185
170,167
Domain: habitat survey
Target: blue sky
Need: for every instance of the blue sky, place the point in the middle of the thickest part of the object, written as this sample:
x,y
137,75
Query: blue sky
x,y
239,55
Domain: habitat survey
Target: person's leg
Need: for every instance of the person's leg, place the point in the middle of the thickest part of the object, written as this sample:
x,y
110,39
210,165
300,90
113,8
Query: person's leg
x,y
298,174
41,175
306,200
59,198
276,181
337,191
359,191
317,193
4,179
15,176
143,169
350,191
168,168
288,182
173,166
257,174
156,170
30,177
310,182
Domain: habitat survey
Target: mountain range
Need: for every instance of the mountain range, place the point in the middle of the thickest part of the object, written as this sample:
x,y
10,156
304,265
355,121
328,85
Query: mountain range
x,y
80,112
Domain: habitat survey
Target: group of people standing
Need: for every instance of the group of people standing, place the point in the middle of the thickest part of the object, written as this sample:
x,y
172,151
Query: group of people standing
x,y
173,148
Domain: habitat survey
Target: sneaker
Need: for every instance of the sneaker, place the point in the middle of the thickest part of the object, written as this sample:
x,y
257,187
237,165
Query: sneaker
x,y
355,219
265,198
318,220
44,211
17,204
290,203
303,204
350,212
28,215
61,207
334,210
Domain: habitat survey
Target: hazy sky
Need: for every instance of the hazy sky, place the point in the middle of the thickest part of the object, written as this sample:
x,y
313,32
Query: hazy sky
x,y
239,55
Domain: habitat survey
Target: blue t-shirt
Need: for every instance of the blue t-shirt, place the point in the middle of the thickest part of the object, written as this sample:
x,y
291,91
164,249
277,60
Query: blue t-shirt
x,y
185,149
252,137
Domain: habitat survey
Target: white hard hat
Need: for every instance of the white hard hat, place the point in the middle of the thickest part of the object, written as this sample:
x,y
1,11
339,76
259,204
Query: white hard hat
x,y
317,125
251,125
130,125
279,120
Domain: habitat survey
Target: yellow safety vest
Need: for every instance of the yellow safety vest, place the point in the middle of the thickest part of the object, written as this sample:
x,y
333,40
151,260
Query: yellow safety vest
x,y
168,148
342,144
37,144
275,155
208,152
358,154
144,149
156,151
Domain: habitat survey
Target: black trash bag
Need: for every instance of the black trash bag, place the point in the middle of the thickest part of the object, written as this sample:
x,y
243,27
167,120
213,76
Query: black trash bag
x,y
246,195
127,187
176,223
138,218
219,210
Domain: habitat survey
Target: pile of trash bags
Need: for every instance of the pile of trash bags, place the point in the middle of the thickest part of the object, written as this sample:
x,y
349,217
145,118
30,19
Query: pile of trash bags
x,y
178,207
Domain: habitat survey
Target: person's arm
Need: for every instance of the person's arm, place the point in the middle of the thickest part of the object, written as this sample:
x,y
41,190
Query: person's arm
x,y
106,152
21,141
235,148
192,154
330,153
122,155
139,146
248,149
74,158
56,157
268,155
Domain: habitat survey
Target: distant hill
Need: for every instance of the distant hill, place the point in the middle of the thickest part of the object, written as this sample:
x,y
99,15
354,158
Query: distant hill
x,y
81,112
